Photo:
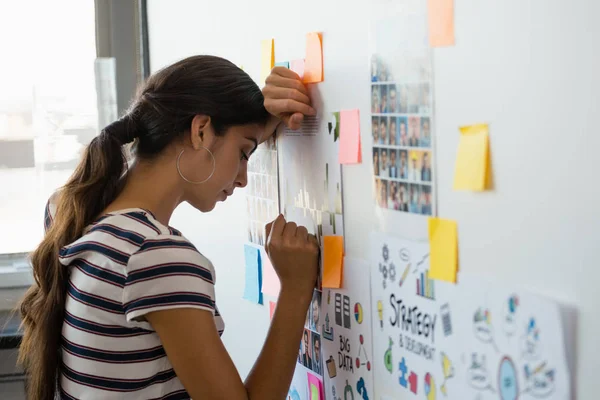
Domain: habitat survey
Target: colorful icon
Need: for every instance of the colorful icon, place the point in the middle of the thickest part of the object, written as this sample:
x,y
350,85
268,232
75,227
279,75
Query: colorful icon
x,y
362,351
507,380
429,387
426,286
413,379
513,303
327,330
404,275
361,388
447,371
380,312
387,357
331,369
358,313
403,368
348,393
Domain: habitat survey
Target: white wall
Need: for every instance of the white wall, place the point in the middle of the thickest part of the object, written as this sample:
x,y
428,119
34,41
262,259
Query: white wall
x,y
528,67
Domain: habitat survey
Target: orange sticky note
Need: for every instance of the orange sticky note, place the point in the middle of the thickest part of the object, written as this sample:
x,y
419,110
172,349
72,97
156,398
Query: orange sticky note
x,y
267,58
443,249
298,67
441,22
313,63
272,305
270,281
333,261
350,148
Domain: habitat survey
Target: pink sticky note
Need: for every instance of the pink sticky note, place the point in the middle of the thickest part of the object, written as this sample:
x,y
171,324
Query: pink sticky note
x,y
441,22
270,281
350,147
315,387
298,67
272,305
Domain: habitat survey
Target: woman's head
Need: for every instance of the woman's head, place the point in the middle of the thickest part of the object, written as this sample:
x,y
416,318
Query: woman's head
x,y
205,116
198,120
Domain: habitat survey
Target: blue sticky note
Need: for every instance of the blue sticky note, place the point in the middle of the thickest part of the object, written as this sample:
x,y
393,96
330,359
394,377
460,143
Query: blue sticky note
x,y
252,288
283,64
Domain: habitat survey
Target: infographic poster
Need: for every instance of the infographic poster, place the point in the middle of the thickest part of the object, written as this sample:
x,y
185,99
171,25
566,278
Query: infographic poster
x,y
347,336
474,340
401,112
311,196
311,177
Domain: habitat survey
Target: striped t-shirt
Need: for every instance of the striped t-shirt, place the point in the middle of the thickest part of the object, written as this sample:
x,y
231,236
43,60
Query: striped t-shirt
x,y
126,265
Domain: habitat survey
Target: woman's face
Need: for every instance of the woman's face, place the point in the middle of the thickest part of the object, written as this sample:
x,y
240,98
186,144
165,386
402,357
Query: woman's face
x,y
230,151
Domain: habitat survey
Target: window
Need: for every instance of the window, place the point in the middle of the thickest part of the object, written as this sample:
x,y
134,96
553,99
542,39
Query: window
x,y
48,110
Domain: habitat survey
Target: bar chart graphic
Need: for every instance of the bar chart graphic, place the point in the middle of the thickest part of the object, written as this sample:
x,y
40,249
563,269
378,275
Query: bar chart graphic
x,y
425,286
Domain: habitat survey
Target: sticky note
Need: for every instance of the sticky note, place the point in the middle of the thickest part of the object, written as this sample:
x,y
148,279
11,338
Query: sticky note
x,y
315,387
443,249
441,22
298,67
272,305
252,288
472,159
283,64
270,284
313,62
267,58
350,147
333,261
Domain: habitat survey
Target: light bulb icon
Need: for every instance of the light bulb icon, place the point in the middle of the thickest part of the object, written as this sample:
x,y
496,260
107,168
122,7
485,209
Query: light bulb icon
x,y
380,312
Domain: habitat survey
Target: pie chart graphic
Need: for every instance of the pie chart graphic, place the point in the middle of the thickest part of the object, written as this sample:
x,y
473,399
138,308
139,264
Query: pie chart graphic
x,y
429,387
358,313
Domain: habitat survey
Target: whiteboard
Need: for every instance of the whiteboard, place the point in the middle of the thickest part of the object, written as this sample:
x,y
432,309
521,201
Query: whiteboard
x,y
528,68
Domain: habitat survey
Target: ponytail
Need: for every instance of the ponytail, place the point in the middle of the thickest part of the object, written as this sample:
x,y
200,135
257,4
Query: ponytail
x,y
96,182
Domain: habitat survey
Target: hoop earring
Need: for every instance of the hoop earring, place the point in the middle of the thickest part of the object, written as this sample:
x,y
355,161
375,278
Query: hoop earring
x,y
214,164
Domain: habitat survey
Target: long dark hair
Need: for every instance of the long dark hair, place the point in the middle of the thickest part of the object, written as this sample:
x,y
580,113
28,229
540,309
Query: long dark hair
x,y
162,111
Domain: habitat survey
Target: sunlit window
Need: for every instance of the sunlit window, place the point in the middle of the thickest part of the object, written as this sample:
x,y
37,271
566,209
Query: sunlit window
x,y
48,110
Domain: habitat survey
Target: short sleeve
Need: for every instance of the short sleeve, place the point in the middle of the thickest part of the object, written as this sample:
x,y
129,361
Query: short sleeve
x,y
167,272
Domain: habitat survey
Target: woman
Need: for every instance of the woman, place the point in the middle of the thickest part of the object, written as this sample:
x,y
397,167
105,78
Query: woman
x,y
124,305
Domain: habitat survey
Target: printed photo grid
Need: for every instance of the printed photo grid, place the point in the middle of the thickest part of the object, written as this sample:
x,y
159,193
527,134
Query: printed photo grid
x,y
309,354
402,145
262,192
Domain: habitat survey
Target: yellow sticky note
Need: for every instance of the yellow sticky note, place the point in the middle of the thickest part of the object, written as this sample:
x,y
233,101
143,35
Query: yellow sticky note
x,y
441,22
472,158
267,58
313,62
333,261
443,249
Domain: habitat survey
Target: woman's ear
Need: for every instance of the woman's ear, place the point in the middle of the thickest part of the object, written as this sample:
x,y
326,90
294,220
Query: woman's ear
x,y
199,131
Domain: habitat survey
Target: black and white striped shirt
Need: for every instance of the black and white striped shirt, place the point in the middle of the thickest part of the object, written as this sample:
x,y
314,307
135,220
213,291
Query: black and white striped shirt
x,y
126,265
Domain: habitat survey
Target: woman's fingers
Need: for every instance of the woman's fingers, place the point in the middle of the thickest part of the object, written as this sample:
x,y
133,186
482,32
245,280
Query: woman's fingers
x,y
286,82
302,233
293,121
278,92
288,106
